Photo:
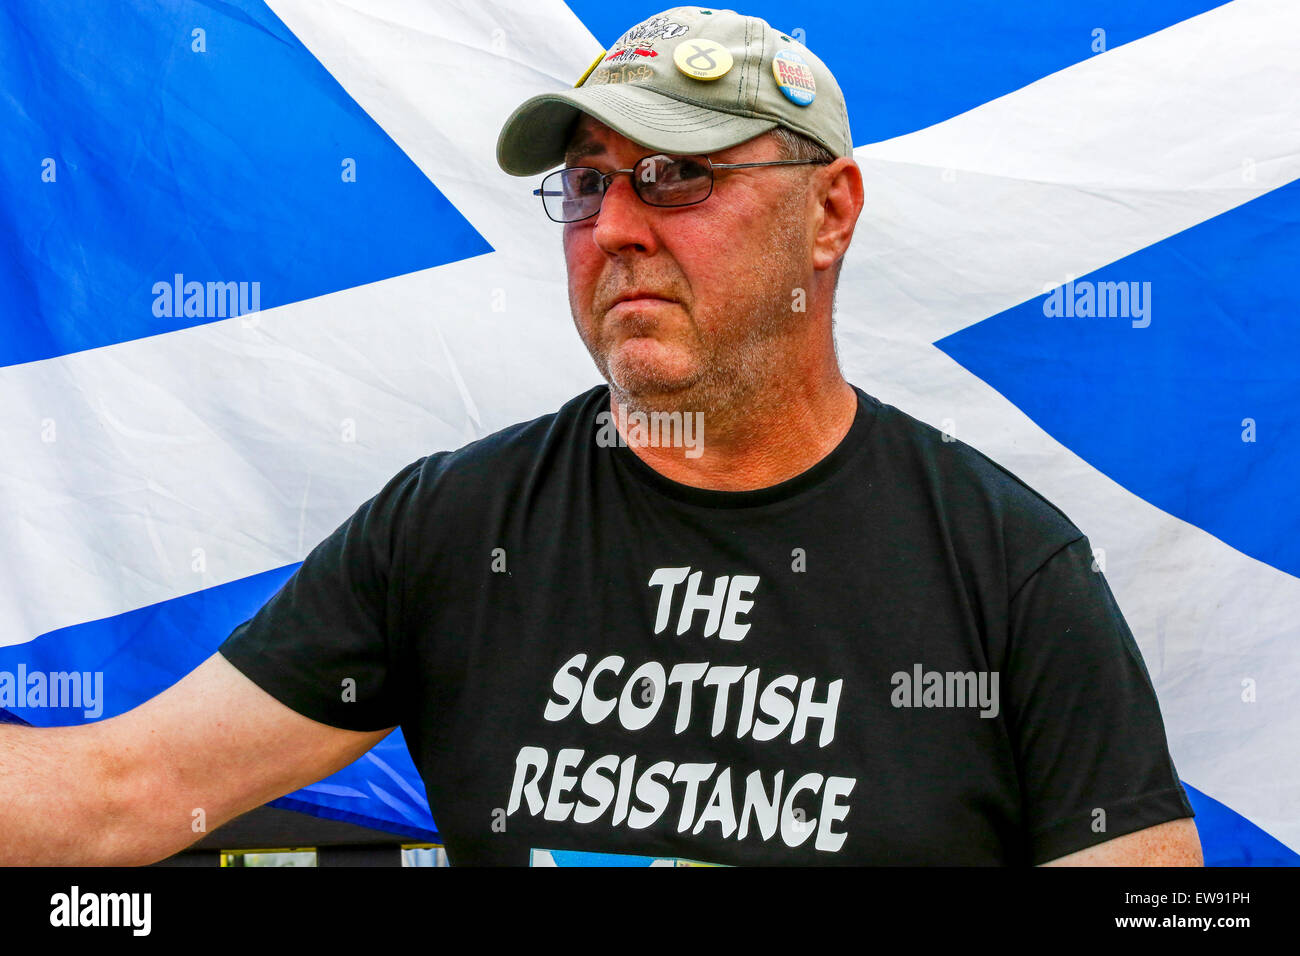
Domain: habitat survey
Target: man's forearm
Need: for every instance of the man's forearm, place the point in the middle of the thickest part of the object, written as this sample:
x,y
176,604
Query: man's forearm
x,y
57,799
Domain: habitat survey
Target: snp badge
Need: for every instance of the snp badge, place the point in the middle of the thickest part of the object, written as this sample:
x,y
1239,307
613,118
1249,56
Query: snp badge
x,y
794,76
702,59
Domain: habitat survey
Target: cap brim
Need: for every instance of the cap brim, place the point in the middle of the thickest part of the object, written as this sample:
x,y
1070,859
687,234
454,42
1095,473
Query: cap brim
x,y
535,136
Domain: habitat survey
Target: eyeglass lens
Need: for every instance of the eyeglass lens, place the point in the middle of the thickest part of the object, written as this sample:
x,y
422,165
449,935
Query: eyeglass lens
x,y
573,194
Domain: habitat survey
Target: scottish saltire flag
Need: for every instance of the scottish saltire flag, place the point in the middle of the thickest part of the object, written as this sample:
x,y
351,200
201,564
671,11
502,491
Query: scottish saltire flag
x,y
256,257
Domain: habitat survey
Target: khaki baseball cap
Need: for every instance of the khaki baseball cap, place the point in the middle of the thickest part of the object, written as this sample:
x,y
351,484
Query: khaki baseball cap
x,y
688,80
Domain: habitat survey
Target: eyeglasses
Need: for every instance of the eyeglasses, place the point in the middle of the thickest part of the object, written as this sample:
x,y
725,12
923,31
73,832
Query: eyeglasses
x,y
576,193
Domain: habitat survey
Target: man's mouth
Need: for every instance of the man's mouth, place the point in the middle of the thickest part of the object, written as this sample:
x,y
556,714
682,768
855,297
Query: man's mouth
x,y
638,297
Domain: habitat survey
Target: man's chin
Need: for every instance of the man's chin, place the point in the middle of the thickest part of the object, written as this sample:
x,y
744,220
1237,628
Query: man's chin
x,y
647,387
648,373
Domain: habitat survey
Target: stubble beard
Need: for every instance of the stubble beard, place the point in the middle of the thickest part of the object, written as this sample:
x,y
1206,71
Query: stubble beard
x,y
730,374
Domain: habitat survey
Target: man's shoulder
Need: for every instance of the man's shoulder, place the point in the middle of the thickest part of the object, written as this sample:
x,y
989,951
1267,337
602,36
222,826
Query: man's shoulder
x,y
517,449
969,488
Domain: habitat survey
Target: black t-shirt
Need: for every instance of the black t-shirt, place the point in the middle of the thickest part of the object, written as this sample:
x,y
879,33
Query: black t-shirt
x,y
902,655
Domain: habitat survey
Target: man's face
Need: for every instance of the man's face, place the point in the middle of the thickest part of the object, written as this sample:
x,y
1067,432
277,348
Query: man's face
x,y
714,280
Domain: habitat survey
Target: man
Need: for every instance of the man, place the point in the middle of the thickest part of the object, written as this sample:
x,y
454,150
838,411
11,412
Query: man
x,y
727,609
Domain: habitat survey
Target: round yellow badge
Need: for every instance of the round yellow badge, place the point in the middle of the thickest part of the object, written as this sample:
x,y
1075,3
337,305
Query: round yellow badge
x,y
702,59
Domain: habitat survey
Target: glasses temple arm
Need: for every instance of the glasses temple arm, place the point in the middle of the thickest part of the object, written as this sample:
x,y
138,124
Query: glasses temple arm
x,y
775,162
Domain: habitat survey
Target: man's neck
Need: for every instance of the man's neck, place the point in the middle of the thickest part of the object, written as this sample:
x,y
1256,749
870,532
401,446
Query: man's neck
x,y
771,438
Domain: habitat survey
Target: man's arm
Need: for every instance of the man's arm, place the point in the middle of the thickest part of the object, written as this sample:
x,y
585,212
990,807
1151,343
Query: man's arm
x,y
1086,725
1174,843
124,791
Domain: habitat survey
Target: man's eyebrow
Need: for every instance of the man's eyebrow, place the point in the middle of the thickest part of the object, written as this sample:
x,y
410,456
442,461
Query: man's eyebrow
x,y
583,149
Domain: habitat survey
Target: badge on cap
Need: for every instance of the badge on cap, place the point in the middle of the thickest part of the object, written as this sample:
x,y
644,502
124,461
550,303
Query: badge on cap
x,y
794,76
702,59
586,73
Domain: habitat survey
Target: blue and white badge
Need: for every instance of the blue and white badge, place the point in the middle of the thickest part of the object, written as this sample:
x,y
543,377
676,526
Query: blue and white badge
x,y
794,76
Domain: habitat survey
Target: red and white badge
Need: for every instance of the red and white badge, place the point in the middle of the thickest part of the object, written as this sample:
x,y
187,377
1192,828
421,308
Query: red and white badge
x,y
794,76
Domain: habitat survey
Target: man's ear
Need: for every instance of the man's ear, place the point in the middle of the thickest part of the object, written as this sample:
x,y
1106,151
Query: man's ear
x,y
840,197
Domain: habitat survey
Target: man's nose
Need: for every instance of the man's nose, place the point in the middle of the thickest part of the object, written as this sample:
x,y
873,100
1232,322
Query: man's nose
x,y
624,221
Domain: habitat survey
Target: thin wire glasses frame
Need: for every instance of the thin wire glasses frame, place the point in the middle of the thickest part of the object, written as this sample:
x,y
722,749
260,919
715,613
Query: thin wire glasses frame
x,y
650,190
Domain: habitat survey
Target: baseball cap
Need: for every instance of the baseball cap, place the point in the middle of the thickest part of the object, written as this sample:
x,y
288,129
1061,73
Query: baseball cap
x,y
688,80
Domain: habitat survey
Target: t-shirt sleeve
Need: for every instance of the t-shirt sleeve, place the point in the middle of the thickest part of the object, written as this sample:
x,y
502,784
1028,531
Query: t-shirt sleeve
x,y
324,644
1086,726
